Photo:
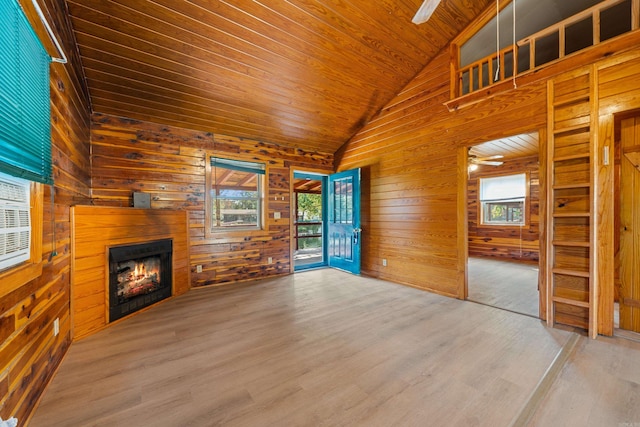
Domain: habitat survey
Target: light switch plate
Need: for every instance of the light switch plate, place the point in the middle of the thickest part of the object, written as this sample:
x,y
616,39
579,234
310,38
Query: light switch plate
x,y
276,215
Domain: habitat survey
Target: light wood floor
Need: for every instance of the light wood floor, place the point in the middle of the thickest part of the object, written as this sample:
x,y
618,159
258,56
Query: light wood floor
x,y
325,348
504,284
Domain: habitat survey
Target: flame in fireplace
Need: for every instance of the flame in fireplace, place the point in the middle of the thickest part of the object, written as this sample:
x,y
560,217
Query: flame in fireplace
x,y
137,277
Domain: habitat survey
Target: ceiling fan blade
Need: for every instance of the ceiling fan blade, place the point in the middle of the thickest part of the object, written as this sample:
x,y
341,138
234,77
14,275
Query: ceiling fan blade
x,y
426,10
494,157
485,162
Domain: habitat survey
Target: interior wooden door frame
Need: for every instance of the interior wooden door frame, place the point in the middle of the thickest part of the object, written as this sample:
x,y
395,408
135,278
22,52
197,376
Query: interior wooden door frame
x,y
463,222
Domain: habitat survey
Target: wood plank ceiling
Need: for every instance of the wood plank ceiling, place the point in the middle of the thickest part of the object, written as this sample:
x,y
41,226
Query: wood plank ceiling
x,y
300,73
509,148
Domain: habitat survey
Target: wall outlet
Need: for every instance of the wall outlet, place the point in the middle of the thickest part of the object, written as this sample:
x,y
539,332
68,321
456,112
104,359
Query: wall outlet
x,y
56,327
276,215
198,268
270,260
384,262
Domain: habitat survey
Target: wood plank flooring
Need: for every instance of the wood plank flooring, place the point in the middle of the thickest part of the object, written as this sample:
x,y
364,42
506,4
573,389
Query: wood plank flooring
x,y
504,284
318,348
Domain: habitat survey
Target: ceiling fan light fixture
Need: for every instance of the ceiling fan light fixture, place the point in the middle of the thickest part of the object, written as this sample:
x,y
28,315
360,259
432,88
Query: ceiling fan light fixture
x,y
426,10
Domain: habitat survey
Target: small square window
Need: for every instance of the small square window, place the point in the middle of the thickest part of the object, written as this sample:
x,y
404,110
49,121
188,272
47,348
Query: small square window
x,y
235,194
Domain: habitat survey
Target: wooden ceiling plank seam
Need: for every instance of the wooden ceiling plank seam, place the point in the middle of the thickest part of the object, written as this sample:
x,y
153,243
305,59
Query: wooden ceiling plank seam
x,y
324,131
361,25
326,53
227,83
259,51
316,24
195,90
113,31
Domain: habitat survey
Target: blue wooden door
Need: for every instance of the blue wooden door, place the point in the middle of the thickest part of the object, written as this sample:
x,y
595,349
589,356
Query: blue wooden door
x,y
344,221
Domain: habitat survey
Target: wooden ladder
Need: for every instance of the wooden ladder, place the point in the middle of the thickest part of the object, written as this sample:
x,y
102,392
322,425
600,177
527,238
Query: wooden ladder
x,y
571,299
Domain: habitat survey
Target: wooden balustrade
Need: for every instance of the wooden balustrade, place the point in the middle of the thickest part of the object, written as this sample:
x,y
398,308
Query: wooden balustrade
x,y
545,46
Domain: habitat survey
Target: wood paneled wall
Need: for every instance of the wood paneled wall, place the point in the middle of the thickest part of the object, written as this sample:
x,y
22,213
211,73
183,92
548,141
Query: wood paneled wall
x,y
94,230
512,243
618,89
169,163
410,153
29,353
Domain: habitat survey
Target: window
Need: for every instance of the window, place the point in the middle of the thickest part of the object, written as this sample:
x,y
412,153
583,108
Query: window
x,y
25,122
502,200
15,221
235,194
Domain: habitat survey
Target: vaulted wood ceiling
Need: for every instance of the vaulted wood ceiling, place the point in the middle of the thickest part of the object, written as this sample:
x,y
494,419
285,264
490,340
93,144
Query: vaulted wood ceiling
x,y
300,73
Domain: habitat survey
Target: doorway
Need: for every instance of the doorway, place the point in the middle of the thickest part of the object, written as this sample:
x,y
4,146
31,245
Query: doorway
x,y
627,241
309,225
503,223
326,227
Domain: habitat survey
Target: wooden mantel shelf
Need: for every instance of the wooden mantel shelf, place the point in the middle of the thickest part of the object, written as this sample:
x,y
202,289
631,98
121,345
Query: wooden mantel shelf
x,y
96,228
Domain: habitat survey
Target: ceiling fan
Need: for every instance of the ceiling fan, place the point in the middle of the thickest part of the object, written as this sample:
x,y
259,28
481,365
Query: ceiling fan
x,y
475,161
426,10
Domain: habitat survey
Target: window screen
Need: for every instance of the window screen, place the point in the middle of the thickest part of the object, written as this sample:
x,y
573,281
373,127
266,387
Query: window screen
x,y
15,221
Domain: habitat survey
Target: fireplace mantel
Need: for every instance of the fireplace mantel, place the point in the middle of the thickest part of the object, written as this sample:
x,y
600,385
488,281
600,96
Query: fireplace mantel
x,y
94,229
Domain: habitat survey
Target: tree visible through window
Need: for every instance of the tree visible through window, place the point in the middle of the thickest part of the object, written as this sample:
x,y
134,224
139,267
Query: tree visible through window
x,y
235,194
502,200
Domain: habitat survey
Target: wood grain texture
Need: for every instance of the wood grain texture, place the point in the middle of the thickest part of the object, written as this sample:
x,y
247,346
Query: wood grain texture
x,y
299,350
504,284
629,226
29,353
410,152
97,228
515,243
618,97
301,74
169,163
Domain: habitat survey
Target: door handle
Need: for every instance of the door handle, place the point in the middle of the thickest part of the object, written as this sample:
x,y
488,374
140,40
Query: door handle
x,y
356,235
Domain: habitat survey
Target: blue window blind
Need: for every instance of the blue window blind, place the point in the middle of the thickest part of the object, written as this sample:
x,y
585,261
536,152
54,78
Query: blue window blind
x,y
238,165
25,123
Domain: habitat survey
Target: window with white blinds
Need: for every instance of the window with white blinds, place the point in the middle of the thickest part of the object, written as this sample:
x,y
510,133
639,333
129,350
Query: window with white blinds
x,y
15,221
502,200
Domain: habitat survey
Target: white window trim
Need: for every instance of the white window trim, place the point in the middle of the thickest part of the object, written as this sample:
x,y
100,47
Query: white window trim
x,y
15,221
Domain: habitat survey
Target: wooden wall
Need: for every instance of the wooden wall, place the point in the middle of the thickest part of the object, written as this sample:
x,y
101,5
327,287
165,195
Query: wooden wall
x,y
512,243
29,353
169,163
94,230
617,85
413,158
410,154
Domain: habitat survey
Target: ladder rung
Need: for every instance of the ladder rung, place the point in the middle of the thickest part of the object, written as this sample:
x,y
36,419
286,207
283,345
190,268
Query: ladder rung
x,y
571,215
574,128
570,186
572,244
574,273
570,301
571,157
572,100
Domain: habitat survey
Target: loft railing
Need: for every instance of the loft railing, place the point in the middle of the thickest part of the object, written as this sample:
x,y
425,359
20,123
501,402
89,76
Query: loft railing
x,y
550,44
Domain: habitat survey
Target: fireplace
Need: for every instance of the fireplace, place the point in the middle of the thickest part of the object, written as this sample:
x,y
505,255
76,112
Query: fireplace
x,y
139,275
